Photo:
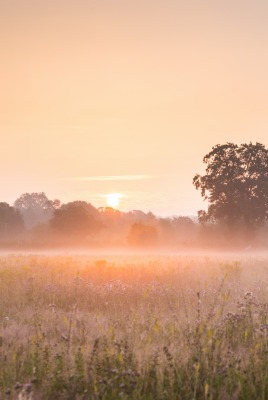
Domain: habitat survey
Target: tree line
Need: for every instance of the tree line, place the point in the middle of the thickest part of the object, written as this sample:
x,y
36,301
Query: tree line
x,y
35,219
234,185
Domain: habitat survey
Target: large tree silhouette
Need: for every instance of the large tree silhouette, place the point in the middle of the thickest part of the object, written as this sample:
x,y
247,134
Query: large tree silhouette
x,y
235,184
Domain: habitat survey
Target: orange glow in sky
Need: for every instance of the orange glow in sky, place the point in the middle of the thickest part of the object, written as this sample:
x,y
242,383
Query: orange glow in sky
x,y
130,93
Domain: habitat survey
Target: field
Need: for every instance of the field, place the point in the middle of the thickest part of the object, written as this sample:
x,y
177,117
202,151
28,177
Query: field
x,y
134,327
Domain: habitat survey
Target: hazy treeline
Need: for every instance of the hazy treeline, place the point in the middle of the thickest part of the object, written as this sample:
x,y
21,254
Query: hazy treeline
x,y
34,220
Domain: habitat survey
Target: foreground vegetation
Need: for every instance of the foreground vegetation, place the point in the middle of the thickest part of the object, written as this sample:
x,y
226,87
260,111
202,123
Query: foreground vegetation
x,y
133,327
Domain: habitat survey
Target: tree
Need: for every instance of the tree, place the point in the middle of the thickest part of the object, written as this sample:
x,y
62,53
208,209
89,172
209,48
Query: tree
x,y
176,230
77,219
235,184
36,208
142,235
11,222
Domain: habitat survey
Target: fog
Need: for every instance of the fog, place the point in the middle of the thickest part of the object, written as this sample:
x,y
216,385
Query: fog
x,y
36,224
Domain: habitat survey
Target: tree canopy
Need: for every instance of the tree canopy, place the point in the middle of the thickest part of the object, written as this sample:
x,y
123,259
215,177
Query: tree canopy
x,y
36,208
235,184
76,218
11,221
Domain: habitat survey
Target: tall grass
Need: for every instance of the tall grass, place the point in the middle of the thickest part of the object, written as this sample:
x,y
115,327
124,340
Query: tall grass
x,y
133,328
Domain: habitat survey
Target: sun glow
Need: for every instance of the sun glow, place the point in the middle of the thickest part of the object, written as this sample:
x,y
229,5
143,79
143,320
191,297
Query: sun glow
x,y
113,199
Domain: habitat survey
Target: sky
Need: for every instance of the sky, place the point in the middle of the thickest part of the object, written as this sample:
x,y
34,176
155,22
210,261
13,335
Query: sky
x,y
127,96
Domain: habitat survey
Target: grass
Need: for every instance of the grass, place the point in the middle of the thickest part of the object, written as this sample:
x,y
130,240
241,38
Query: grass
x,y
82,327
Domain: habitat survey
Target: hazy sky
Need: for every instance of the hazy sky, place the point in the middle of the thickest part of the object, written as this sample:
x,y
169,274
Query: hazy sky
x,y
127,96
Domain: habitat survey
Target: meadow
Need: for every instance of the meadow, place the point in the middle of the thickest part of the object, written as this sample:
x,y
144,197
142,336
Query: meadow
x,y
134,327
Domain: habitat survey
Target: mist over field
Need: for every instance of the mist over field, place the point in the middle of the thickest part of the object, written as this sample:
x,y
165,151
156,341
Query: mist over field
x,y
38,223
103,304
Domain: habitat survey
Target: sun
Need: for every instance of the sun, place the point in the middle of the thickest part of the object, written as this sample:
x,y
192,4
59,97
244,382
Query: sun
x,y
113,199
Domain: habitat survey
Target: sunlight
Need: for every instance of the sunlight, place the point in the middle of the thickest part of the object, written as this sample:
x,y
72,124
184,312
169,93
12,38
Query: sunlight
x,y
113,199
